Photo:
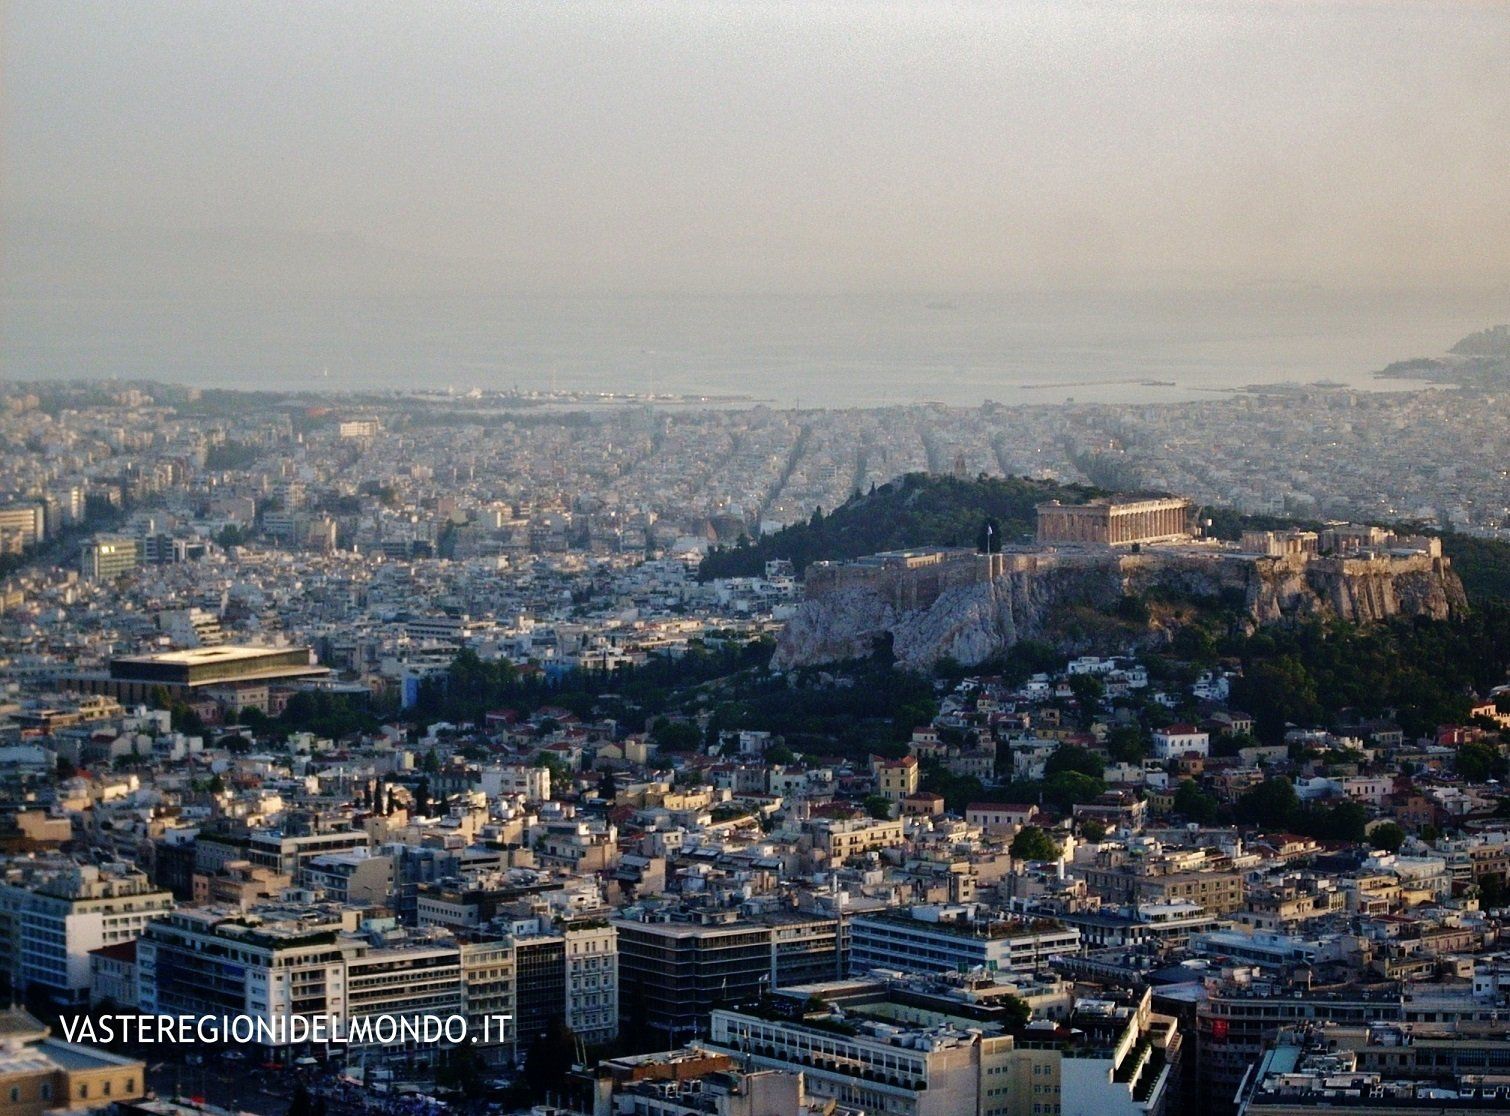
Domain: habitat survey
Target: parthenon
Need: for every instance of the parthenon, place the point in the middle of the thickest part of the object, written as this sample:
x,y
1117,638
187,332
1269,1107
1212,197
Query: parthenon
x,y
1114,522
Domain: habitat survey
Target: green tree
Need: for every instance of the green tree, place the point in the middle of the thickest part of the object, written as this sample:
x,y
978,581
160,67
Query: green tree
x,y
1493,892
461,1068
1273,804
1032,843
1343,820
1069,757
1194,804
1092,830
1387,837
254,719
1127,744
185,720
1017,1012
608,785
780,753
1478,762
957,791
1278,692
674,736
1230,744
878,806
1065,789
1088,690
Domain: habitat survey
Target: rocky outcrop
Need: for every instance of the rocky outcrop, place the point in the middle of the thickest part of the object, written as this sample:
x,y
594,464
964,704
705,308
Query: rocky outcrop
x,y
1360,590
971,623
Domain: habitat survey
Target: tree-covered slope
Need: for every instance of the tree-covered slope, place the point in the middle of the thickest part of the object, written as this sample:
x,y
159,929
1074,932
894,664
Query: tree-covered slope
x,y
915,510
1482,564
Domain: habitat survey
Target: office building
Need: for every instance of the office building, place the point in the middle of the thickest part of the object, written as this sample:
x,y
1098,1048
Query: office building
x,y
959,937
57,921
1379,1070
107,557
22,526
906,1050
672,974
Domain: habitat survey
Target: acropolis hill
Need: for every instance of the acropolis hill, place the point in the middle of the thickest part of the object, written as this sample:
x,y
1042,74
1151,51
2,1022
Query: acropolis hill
x,y
969,606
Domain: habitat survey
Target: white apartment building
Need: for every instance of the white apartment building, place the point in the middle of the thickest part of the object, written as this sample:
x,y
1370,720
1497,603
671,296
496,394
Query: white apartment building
x,y
55,923
534,783
887,1070
955,938
592,981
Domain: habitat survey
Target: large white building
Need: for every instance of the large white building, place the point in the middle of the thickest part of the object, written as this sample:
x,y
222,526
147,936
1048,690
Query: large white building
x,y
277,962
954,938
54,923
908,1052
517,778
1180,740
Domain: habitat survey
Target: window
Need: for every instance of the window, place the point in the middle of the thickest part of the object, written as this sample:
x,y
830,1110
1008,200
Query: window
x,y
15,1094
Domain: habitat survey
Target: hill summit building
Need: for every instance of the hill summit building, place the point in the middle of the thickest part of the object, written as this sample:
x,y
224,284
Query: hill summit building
x,y
1115,522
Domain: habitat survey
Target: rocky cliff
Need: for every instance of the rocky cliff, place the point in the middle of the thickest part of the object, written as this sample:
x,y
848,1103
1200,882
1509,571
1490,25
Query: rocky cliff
x,y
971,623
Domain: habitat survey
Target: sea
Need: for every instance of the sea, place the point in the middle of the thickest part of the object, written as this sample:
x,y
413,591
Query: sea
x,y
786,350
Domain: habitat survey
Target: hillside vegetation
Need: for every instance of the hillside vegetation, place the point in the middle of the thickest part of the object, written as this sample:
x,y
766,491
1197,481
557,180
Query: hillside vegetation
x,y
1483,565
914,510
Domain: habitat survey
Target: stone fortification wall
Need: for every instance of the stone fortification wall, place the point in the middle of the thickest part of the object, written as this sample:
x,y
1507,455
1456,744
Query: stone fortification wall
x,y
972,610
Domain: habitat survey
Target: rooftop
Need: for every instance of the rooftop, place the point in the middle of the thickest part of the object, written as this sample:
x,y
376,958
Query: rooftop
x,y
199,656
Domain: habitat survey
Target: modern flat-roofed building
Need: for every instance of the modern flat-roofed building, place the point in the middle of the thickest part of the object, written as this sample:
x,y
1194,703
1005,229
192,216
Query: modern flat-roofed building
x,y
404,981
1114,522
672,974
902,1050
1394,1069
939,939
108,557
186,675
22,526
354,876
56,923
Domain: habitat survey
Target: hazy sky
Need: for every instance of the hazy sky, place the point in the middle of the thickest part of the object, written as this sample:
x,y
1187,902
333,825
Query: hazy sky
x,y
769,146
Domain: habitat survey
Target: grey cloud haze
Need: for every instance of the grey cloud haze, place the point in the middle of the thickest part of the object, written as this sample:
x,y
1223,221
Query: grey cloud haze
x,y
680,147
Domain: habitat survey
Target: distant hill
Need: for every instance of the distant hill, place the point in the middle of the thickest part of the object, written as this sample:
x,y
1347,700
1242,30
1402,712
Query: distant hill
x,y
1481,359
1491,342
914,510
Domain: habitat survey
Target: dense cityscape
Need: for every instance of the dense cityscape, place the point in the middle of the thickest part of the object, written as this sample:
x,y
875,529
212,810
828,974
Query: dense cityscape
x,y
383,709
779,558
